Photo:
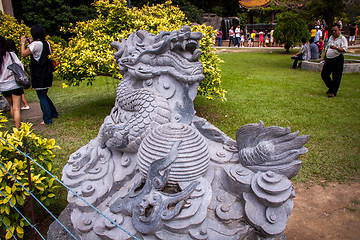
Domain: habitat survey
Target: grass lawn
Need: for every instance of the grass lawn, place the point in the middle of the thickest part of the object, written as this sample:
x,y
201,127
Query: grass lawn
x,y
260,86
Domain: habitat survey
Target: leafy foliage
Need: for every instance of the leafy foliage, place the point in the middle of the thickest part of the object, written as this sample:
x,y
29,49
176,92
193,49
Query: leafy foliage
x,y
328,10
325,9
211,86
11,29
40,149
290,28
52,14
192,13
89,52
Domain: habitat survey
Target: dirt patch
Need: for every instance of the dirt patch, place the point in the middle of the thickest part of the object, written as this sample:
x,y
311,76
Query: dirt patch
x,y
331,212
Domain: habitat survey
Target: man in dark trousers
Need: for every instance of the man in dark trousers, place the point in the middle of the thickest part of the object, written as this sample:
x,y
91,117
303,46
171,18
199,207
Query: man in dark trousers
x,y
334,60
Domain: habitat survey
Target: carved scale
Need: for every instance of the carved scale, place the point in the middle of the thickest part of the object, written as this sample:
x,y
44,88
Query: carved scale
x,y
162,173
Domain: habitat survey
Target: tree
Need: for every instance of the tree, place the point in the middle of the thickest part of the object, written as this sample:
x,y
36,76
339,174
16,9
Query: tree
x,y
353,12
320,9
325,9
89,52
290,28
53,14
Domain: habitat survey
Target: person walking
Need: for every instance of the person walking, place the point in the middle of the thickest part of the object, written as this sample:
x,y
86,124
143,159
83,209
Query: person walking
x,y
8,87
237,36
318,34
242,40
261,39
253,36
320,45
220,34
334,60
12,48
231,36
249,40
352,32
272,38
41,70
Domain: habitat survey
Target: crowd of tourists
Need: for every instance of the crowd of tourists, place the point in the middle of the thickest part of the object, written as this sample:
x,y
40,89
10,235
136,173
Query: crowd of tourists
x,y
327,45
265,38
319,38
238,37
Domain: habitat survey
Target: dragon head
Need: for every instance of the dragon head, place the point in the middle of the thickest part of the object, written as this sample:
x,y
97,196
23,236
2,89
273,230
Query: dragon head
x,y
144,55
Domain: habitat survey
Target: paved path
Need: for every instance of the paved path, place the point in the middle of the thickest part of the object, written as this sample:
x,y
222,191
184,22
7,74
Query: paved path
x,y
33,115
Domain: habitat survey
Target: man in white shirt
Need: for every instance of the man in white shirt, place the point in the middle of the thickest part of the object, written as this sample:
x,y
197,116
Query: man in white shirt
x,y
237,36
334,60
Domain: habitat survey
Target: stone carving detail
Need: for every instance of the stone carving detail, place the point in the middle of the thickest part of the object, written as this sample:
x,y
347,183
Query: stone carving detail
x,y
193,154
160,172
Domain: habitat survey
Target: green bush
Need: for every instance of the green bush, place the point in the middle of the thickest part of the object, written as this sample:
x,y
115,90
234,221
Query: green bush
x,y
41,150
11,29
89,52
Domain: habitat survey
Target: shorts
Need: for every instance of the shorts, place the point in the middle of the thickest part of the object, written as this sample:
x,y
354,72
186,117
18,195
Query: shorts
x,y
17,92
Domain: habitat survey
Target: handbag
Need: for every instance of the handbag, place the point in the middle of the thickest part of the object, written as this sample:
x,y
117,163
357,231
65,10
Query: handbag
x,y
20,77
55,63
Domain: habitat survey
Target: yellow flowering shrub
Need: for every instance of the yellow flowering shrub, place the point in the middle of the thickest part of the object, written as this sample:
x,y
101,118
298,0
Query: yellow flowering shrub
x,y
11,29
41,150
89,52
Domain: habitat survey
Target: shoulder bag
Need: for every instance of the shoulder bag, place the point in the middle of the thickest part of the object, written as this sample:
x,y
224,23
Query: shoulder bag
x,y
20,77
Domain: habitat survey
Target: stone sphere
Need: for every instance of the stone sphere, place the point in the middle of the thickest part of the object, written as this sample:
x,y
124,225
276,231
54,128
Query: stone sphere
x,y
192,159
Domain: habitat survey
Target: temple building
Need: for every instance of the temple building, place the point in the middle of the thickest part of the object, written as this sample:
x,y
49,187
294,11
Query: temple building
x,y
252,5
248,4
252,9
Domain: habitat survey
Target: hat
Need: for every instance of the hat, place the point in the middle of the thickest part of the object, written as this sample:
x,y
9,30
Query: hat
x,y
317,26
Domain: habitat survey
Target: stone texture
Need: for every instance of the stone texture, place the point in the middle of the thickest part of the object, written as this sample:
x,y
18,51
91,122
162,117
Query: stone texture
x,y
160,172
352,66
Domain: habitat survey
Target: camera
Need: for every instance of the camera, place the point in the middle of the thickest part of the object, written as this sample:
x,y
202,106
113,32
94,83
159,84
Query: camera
x,y
27,40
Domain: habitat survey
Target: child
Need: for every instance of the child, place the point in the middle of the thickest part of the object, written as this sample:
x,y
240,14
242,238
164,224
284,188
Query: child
x,y
266,40
320,45
261,39
250,40
242,40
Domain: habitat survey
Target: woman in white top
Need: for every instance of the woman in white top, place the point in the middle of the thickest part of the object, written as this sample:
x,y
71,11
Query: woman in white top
x,y
41,70
8,87
231,36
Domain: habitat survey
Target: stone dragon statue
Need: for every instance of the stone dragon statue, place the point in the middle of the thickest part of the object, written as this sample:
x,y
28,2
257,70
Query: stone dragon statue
x,y
161,172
